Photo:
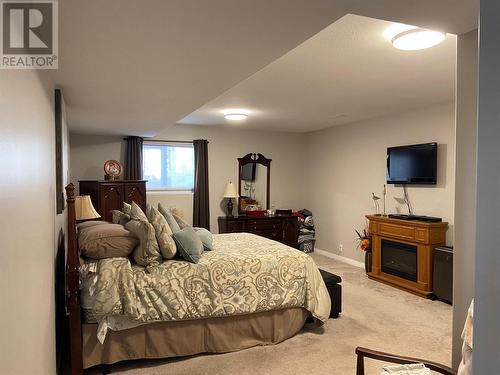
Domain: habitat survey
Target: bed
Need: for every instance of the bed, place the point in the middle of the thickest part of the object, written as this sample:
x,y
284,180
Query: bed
x,y
248,291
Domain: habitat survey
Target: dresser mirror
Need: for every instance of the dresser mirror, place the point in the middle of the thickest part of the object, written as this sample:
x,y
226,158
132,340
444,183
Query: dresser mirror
x,y
254,179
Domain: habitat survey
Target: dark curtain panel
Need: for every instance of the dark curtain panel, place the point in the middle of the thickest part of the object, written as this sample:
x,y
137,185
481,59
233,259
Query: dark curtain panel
x,y
133,158
201,211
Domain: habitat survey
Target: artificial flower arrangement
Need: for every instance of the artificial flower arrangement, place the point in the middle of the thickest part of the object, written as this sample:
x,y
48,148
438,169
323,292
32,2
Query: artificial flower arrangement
x,y
364,240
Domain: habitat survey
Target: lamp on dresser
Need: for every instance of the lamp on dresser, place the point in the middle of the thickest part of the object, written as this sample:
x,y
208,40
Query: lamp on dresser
x,y
230,193
84,210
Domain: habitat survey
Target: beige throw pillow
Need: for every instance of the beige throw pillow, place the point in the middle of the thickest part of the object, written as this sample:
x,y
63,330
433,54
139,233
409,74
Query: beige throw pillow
x,y
106,241
163,233
127,209
119,217
136,213
179,220
147,253
90,223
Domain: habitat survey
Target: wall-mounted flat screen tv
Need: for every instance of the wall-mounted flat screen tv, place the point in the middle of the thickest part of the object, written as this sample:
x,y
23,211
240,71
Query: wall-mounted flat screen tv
x,y
414,164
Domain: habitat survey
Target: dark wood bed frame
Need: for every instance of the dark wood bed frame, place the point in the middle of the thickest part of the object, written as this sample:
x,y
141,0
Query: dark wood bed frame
x,y
73,286
72,290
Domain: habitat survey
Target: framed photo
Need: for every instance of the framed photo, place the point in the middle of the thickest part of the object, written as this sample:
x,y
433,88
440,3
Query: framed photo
x,y
62,150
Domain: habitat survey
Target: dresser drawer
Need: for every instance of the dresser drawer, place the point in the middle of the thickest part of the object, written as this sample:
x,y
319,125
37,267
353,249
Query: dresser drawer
x,y
272,234
234,226
263,225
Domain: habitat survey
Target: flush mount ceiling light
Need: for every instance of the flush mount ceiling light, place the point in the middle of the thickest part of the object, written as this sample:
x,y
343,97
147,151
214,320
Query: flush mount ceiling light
x,y
411,38
235,114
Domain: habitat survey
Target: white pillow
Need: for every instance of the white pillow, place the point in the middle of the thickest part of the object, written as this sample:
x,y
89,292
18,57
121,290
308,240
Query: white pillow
x,y
413,369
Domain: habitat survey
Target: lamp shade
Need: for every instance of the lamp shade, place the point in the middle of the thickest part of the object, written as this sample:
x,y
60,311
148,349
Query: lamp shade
x,y
84,209
230,191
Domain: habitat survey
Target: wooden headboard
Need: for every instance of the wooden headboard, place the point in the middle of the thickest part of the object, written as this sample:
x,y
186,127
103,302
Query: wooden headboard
x,y
73,285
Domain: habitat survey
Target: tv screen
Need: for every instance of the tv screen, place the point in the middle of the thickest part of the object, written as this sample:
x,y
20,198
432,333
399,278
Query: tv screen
x,y
248,172
414,164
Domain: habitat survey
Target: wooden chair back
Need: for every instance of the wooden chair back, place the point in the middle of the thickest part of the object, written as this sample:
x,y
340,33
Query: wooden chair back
x,y
363,353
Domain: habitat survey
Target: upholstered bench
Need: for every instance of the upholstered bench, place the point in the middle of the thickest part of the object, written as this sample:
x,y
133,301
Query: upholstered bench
x,y
332,283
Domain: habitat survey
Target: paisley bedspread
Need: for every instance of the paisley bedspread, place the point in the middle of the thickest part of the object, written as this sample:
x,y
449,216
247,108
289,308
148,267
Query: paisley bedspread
x,y
244,274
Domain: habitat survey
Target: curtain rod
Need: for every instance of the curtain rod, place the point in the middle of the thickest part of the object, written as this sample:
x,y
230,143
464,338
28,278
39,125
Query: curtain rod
x,y
164,141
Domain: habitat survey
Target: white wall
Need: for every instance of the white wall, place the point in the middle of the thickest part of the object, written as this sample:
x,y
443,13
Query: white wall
x,y
487,261
27,343
88,154
347,163
465,185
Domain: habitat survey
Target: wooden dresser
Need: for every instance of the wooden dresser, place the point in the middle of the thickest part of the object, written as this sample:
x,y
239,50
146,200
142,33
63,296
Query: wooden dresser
x,y
279,228
110,195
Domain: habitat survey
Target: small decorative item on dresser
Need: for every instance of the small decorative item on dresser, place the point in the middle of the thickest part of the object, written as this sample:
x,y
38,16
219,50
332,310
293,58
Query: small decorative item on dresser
x,y
112,169
230,193
365,244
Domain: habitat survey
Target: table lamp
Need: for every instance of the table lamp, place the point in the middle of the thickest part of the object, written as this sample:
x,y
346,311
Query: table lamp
x,y
84,210
230,193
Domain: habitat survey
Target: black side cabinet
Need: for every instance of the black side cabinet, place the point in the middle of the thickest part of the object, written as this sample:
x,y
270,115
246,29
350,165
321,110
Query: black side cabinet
x,y
443,274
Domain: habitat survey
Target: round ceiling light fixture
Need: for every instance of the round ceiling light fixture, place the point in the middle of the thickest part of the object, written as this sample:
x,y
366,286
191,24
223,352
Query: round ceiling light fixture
x,y
235,114
417,38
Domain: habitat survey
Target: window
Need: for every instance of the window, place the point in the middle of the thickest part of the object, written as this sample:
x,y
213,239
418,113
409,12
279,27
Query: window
x,y
168,166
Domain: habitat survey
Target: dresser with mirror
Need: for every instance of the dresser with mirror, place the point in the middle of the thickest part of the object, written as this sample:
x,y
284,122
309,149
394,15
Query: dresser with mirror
x,y
254,202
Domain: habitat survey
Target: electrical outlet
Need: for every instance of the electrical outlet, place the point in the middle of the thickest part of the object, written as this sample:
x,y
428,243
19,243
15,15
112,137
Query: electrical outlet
x,y
341,248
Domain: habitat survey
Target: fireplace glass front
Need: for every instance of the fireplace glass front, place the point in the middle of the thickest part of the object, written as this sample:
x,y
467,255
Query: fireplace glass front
x,y
399,259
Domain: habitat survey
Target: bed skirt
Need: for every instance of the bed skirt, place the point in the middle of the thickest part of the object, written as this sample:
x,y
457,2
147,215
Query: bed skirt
x,y
183,338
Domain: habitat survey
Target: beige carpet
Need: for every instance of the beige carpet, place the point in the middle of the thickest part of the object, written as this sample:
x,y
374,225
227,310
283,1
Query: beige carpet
x,y
374,315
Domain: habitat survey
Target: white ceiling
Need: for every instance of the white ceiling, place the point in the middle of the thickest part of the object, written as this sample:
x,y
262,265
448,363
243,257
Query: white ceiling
x,y
345,73
136,67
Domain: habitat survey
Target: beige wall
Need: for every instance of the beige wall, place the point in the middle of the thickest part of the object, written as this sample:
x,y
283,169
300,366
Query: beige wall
x,y
347,163
27,343
88,154
465,179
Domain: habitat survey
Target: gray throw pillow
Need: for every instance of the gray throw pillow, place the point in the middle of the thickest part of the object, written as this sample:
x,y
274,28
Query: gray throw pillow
x,y
147,253
163,233
119,217
189,244
206,238
106,241
172,223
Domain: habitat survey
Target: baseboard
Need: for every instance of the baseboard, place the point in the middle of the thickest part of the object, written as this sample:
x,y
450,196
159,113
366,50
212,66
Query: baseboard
x,y
340,258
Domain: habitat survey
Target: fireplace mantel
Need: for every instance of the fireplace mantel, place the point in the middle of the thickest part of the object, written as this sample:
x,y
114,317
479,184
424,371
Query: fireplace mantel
x,y
423,235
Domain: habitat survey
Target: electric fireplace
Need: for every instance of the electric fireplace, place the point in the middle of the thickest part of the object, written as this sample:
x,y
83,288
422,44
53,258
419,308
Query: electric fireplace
x,y
399,259
402,252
